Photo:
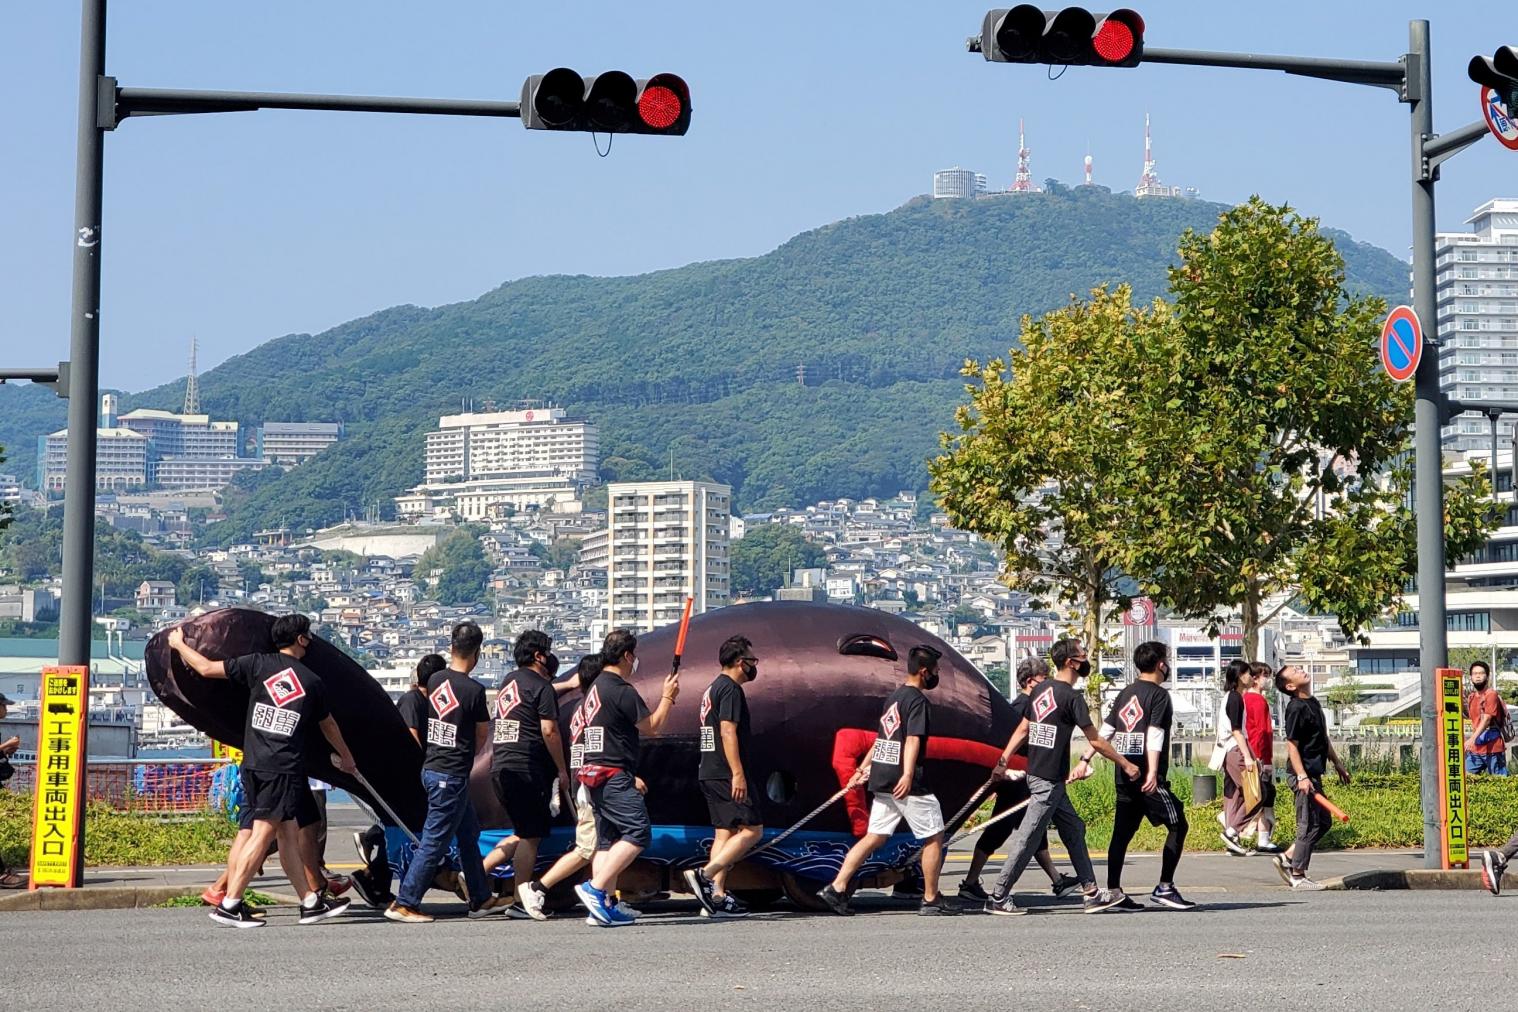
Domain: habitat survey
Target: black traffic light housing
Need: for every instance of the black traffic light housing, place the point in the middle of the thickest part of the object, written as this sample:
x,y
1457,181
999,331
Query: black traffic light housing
x,y
1073,36
609,103
1500,72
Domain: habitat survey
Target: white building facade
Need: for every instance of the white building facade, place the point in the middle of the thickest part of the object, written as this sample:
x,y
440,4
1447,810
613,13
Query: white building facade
x,y
668,540
1476,288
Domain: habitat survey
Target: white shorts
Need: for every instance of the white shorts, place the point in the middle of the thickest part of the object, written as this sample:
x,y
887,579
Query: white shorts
x,y
924,816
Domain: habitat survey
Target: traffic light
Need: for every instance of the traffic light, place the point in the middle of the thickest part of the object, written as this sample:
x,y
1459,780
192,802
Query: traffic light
x,y
1499,72
609,103
1070,37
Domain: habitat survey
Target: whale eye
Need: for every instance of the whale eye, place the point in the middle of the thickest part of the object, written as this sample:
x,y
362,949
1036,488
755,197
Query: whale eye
x,y
866,645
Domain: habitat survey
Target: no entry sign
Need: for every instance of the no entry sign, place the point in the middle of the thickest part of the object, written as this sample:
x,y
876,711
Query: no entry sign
x,y
1499,118
1401,344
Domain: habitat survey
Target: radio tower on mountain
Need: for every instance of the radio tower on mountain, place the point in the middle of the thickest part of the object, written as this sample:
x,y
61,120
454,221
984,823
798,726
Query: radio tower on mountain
x,y
191,386
1088,167
1149,183
1024,181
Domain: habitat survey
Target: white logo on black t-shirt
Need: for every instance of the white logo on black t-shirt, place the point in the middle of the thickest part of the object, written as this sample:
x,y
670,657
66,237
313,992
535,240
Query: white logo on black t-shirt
x,y
284,687
443,702
507,732
1042,735
440,732
708,739
275,721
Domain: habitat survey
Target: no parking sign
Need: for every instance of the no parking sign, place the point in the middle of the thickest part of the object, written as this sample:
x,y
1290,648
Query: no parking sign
x,y
1401,344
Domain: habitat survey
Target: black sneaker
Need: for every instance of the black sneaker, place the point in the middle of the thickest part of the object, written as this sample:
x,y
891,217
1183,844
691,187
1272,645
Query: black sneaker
x,y
729,906
1170,896
836,901
701,887
238,917
1102,899
940,907
326,906
1492,867
364,886
1129,903
1064,884
970,889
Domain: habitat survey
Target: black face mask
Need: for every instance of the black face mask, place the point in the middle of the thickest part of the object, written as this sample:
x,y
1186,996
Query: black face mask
x,y
1165,673
1084,669
551,665
750,670
930,679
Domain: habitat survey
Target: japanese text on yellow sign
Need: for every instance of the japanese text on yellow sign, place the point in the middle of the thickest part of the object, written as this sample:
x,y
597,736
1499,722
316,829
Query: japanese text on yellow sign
x,y
57,827
221,750
1452,814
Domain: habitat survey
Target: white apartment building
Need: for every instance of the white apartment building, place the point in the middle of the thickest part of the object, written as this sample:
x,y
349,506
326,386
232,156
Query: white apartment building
x,y
10,488
202,472
121,460
957,182
174,435
1476,288
293,443
668,541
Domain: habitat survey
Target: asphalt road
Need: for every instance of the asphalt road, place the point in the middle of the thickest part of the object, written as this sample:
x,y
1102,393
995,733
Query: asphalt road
x,y
1276,949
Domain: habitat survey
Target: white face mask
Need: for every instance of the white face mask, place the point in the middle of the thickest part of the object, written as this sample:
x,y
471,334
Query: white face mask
x,y
634,671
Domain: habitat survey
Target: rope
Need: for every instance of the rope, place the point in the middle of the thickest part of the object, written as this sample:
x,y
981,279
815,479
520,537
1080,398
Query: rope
x,y
808,817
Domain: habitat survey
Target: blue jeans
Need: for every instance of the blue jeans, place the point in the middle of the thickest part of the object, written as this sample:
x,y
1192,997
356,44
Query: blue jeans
x,y
450,815
1494,763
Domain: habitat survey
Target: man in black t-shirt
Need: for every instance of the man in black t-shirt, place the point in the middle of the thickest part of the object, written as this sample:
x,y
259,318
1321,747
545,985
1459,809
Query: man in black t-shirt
x,y
605,745
287,704
527,764
1308,754
899,788
723,770
413,702
1031,673
457,720
1055,710
1138,726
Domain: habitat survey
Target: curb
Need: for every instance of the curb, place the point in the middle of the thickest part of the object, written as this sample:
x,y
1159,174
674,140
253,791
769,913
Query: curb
x,y
104,898
1411,878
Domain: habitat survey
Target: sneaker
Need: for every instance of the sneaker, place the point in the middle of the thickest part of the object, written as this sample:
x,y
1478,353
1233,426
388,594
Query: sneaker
x,y
940,907
326,906
1102,899
533,899
1492,867
907,889
1129,903
1266,846
702,887
517,912
1003,906
594,901
488,909
1170,896
211,898
405,915
1064,884
338,884
617,917
836,901
1230,838
628,909
238,917
1306,884
970,889
364,856
593,922
364,886
1283,868
730,906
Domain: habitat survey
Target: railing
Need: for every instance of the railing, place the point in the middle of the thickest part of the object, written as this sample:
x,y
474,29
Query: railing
x,y
142,786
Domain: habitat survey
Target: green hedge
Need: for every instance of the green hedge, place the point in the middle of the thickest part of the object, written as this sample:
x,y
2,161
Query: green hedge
x,y
116,838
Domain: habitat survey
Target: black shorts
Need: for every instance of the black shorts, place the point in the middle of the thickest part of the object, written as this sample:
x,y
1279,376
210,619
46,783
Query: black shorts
x,y
1161,808
275,797
1013,792
525,796
725,812
620,813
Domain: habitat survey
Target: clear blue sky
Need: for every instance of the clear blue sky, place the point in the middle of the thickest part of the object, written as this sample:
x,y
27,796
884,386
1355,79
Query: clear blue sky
x,y
240,228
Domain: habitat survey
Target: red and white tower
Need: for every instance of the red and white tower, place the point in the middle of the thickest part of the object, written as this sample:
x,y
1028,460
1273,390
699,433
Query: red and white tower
x,y
1088,168
1024,181
1149,182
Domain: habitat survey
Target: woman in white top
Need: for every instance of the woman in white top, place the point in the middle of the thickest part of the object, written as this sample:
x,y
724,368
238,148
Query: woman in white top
x,y
1237,678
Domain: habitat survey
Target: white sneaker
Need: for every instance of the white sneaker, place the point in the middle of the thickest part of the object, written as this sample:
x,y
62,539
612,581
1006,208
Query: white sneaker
x,y
533,899
1306,884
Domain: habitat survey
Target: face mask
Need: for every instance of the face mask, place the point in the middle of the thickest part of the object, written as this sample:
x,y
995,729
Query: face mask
x,y
1165,673
1084,669
930,679
551,665
750,671
634,671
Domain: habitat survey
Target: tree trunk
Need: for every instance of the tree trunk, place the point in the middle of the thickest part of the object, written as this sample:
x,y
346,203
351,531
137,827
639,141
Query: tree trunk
x,y
1251,616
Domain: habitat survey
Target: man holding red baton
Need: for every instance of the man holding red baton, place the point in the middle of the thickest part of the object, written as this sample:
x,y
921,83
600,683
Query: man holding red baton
x,y
1308,753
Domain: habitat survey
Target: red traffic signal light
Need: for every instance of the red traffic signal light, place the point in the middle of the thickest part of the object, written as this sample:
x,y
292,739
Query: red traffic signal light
x,y
610,103
1073,36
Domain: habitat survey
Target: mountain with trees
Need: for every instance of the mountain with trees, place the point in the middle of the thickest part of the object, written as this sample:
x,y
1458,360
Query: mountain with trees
x,y
827,367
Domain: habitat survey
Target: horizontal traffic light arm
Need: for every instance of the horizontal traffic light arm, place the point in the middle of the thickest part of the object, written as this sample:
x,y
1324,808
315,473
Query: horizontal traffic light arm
x,y
119,103
1369,72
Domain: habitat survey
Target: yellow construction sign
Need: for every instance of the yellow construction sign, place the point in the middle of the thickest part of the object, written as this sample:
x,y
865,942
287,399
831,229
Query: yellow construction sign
x,y
58,822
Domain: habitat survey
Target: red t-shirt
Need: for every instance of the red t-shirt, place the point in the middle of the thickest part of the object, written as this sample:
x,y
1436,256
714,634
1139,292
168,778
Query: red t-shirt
x,y
1488,703
1257,729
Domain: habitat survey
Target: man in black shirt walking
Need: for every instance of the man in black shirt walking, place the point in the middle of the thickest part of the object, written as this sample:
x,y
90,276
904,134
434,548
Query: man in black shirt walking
x,y
1308,753
527,765
413,702
286,703
1138,726
1055,710
723,772
900,788
609,721
457,718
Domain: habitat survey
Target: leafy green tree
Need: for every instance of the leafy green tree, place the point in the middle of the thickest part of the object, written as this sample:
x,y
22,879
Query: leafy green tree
x,y
198,583
764,557
1343,697
1044,463
459,563
1270,457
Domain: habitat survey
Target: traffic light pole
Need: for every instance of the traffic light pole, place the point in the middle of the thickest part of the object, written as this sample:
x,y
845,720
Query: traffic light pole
x,y
1410,78
102,107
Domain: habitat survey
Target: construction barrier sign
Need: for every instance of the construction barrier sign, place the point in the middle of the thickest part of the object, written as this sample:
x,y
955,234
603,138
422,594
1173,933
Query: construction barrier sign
x,y
221,750
1452,814
58,820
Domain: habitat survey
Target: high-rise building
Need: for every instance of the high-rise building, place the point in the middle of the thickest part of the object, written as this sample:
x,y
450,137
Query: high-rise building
x,y
669,541
10,488
1476,289
293,443
957,182
175,435
121,456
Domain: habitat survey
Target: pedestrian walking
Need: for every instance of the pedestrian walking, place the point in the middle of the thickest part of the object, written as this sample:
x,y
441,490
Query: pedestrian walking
x,y
1259,731
1238,759
1486,745
1309,754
